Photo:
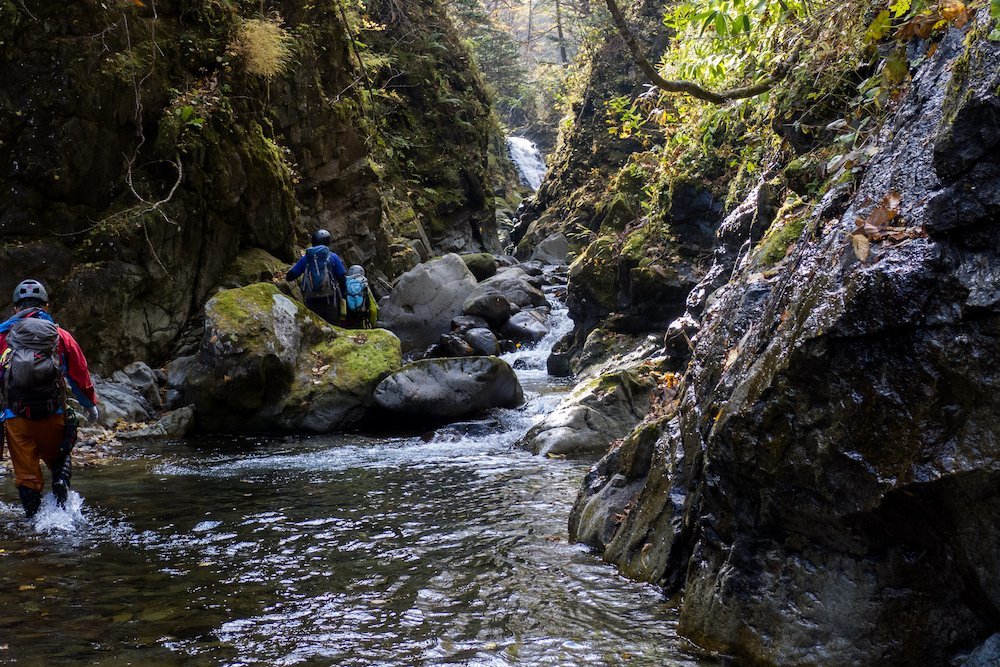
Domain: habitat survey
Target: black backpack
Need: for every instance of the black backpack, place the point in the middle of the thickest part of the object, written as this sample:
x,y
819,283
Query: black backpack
x,y
31,369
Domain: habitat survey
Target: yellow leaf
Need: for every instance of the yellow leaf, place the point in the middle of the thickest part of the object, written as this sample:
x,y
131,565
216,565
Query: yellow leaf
x,y
26,587
956,12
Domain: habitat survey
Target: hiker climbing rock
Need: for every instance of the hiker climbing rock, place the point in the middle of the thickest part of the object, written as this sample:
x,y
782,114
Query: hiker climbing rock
x,y
322,275
359,309
38,361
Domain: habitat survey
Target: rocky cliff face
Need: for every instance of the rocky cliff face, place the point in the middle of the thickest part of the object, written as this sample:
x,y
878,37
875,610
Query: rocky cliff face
x,y
586,154
827,488
142,155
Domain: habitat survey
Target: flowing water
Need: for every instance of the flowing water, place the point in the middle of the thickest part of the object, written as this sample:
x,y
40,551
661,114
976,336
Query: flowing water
x,y
338,550
528,160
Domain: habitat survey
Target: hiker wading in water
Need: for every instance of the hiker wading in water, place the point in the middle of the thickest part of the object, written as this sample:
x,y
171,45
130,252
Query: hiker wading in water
x,y
322,277
38,360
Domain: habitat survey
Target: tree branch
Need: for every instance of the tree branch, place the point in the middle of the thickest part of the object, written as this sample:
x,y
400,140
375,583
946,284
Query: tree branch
x,y
689,87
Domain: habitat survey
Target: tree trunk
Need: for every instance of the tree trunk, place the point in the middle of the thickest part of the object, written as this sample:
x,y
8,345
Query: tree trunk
x,y
559,34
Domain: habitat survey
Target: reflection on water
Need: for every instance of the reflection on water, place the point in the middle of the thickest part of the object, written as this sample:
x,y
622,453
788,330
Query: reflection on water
x,y
327,550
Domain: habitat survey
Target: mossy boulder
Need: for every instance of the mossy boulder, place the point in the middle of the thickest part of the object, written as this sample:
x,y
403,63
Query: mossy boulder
x,y
593,281
251,266
482,264
596,413
334,379
268,363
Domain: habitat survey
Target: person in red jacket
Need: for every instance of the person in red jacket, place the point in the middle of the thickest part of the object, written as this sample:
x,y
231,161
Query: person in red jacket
x,y
39,361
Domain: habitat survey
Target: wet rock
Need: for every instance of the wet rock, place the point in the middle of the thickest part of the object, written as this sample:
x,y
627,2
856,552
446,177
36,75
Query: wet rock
x,y
482,341
595,414
553,249
493,307
559,361
425,299
451,345
144,379
677,341
434,389
465,322
834,440
987,655
173,425
514,284
481,264
119,400
527,326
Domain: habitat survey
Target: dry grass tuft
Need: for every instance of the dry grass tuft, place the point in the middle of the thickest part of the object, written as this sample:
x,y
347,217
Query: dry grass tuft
x,y
264,46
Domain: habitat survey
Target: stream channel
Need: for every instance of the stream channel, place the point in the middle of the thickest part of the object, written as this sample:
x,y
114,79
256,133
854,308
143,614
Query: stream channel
x,y
333,550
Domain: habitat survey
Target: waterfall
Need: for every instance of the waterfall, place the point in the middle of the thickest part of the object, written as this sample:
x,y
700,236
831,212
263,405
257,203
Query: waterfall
x,y
528,160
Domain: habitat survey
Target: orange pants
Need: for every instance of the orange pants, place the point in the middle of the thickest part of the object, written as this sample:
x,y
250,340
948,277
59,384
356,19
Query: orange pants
x,y
29,440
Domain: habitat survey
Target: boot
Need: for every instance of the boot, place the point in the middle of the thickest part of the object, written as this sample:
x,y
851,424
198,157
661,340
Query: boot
x,y
31,500
62,472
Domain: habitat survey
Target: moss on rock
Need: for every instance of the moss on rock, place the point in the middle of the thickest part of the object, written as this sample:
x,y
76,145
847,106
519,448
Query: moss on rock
x,y
593,277
482,264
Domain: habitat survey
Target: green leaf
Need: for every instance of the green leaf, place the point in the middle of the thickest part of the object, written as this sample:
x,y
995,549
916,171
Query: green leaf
x,y
879,27
720,24
896,67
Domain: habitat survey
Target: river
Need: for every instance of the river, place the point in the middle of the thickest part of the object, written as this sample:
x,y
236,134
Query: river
x,y
335,550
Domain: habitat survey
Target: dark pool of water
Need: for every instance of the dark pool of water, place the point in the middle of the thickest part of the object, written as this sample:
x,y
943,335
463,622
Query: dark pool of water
x,y
322,551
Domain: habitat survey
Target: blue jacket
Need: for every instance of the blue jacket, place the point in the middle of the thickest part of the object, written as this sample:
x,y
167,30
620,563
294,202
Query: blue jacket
x,y
335,265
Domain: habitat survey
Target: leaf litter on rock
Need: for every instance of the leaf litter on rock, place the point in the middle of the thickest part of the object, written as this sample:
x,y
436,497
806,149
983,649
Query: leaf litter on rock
x,y
877,228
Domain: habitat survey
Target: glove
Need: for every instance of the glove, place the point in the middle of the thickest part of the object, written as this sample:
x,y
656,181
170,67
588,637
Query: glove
x,y
92,414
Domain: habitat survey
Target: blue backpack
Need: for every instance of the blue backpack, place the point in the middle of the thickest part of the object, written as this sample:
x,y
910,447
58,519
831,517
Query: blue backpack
x,y
357,294
317,282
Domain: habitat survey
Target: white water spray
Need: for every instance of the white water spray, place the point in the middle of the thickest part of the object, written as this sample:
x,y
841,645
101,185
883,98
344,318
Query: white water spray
x,y
528,160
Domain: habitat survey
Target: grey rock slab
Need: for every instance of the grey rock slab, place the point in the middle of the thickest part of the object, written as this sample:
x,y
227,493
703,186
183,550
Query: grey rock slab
x,y
426,299
449,388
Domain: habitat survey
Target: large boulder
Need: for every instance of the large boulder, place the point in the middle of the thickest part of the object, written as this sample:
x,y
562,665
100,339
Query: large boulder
x,y
334,380
595,414
119,400
493,307
268,363
527,326
553,249
435,389
516,285
425,299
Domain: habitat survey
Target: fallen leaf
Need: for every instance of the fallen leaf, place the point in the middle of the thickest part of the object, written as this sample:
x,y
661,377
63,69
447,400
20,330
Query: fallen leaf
x,y
731,357
861,245
919,26
956,12
26,587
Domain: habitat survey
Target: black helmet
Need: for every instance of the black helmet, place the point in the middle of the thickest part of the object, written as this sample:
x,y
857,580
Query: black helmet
x,y
321,237
30,289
